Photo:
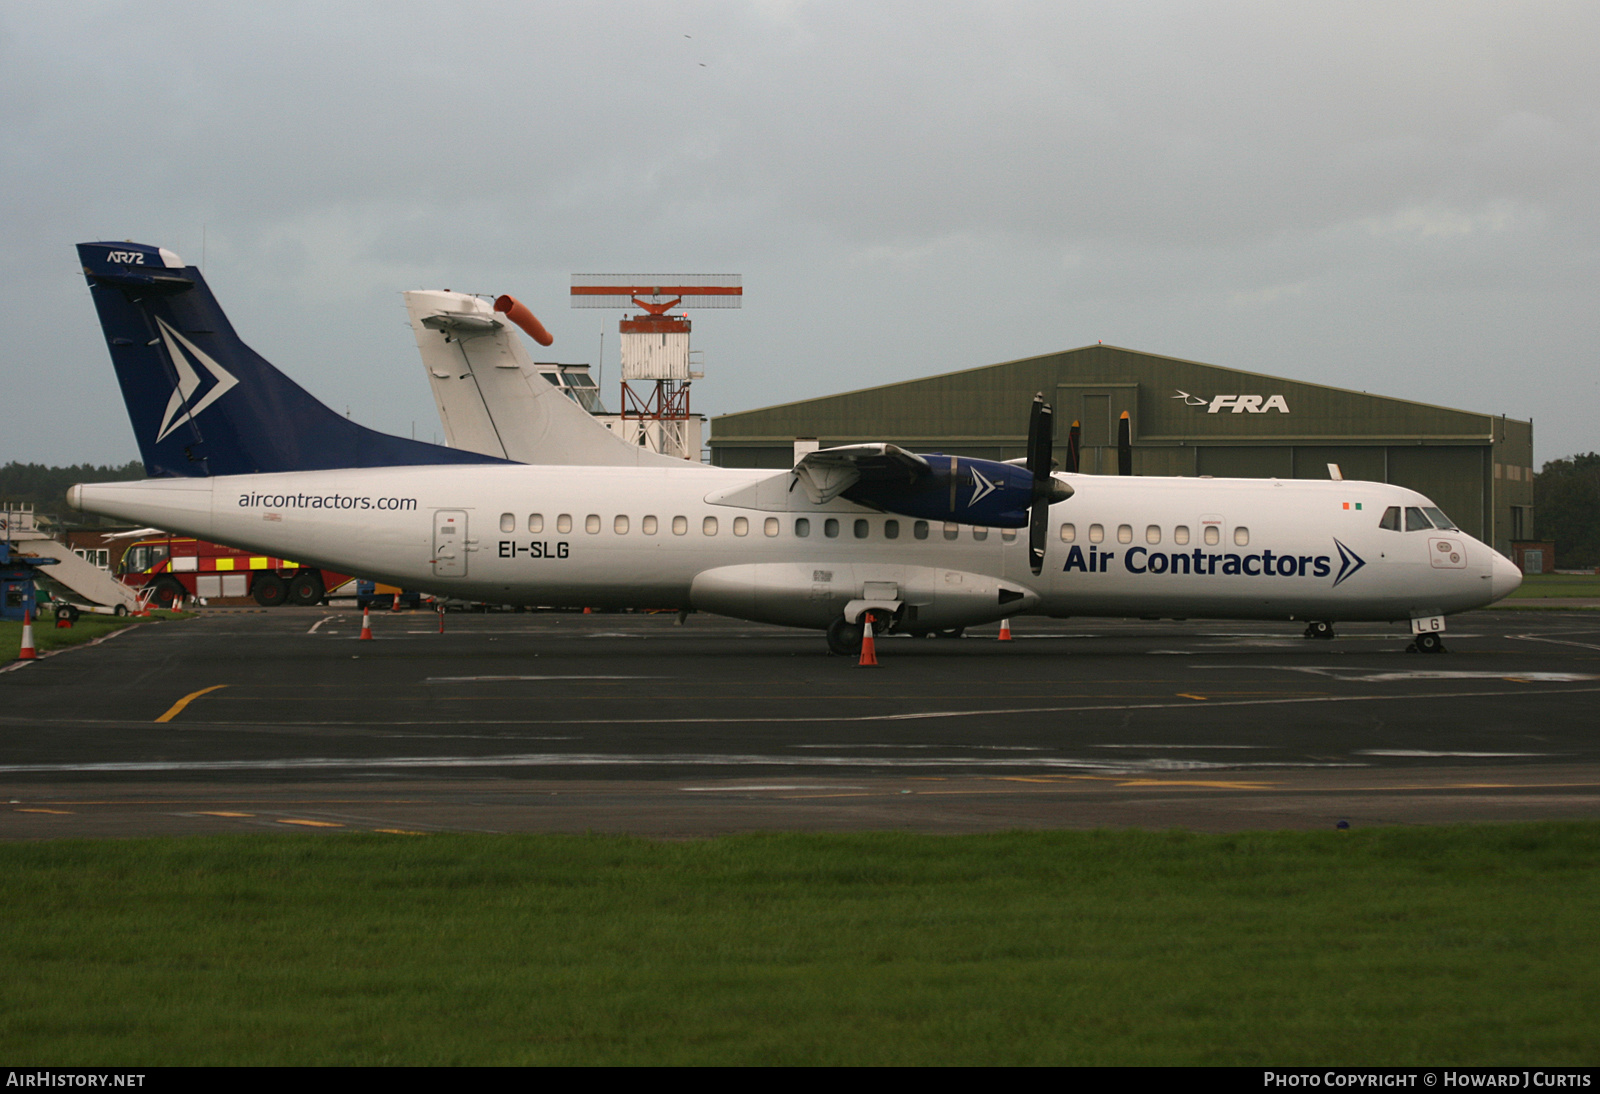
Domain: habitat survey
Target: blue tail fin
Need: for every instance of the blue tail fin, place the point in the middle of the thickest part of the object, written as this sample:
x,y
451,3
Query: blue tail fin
x,y
204,403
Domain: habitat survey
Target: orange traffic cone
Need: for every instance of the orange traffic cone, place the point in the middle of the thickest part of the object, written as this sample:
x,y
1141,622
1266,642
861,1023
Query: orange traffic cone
x,y
366,624
441,620
396,605
27,653
1005,630
869,648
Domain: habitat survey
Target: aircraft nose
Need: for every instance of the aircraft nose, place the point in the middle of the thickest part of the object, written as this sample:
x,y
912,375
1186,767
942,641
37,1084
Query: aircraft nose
x,y
1505,577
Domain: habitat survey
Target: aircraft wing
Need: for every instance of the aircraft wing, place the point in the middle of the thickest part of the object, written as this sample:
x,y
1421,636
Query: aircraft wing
x,y
829,472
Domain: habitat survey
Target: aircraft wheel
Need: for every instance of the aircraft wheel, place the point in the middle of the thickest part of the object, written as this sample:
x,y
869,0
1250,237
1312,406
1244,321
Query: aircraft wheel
x,y
1430,643
1319,628
270,590
844,639
306,588
953,632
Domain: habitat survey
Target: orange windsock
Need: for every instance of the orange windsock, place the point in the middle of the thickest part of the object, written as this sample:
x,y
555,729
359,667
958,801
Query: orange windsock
x,y
519,314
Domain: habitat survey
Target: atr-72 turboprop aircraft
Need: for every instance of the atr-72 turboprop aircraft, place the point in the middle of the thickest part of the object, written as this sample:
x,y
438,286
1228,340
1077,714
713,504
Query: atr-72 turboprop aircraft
x,y
922,543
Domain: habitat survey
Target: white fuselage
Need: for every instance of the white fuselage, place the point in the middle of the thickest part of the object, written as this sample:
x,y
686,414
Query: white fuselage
x,y
738,542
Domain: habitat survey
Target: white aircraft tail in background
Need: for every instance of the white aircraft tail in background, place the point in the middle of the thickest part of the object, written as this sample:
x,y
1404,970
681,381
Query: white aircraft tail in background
x,y
492,399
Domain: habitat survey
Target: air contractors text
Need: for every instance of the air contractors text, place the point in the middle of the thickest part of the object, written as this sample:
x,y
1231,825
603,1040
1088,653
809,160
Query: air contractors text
x,y
324,501
1140,560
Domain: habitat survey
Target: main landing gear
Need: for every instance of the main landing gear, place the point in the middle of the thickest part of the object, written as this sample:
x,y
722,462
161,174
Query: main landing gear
x,y
1319,628
844,638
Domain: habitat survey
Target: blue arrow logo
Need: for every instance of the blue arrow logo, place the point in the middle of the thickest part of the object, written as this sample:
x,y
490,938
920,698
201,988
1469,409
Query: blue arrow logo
x,y
1349,562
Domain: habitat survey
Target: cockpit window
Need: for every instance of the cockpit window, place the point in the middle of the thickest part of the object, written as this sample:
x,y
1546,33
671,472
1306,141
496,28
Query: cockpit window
x,y
1391,519
1440,521
1415,521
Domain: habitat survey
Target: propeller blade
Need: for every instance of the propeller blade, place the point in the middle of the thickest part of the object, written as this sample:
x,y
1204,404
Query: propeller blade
x,y
1125,445
1074,442
1041,439
1038,529
1040,436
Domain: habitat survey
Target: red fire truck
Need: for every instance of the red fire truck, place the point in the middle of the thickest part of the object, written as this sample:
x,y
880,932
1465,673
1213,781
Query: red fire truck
x,y
174,566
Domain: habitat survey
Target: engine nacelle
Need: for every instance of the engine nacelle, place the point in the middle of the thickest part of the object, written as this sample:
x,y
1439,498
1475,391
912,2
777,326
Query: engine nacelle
x,y
959,488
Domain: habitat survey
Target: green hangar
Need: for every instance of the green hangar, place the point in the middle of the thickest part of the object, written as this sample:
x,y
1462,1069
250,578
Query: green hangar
x,y
1188,418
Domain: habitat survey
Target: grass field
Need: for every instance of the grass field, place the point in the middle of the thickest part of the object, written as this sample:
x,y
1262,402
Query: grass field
x,y
1541,586
1466,945
47,636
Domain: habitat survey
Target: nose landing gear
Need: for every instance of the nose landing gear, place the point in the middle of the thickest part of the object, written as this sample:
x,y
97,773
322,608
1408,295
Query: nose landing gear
x,y
1427,643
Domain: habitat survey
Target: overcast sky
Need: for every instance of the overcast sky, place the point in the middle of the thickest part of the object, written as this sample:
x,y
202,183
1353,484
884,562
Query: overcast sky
x,y
1393,197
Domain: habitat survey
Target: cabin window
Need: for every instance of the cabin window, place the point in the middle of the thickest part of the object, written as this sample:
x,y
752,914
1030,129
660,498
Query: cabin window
x,y
979,534
891,529
1391,519
1097,533
620,525
951,529
708,527
830,528
1152,533
920,529
535,522
564,523
1241,536
1069,532
648,526
1008,535
1213,535
1415,521
1180,534
802,527
771,526
741,526
862,529
680,526
1124,533
591,523
508,522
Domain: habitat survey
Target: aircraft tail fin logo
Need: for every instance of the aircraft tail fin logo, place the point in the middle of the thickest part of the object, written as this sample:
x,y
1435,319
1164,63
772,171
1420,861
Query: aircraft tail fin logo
x,y
201,401
1349,563
180,407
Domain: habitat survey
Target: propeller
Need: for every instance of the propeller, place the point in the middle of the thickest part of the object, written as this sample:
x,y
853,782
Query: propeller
x,y
1074,443
1125,445
1047,490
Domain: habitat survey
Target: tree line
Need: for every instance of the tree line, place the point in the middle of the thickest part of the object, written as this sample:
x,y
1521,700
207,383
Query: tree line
x,y
1566,509
45,488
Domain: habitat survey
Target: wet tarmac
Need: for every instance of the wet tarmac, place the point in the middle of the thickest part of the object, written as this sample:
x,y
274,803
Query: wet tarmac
x,y
285,720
